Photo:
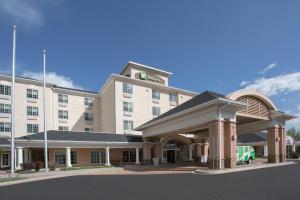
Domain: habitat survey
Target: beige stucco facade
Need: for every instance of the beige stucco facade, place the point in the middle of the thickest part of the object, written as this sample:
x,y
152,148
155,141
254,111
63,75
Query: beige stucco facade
x,y
107,107
205,132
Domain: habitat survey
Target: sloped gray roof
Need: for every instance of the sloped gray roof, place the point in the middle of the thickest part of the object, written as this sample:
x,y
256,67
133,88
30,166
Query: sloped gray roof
x,y
197,100
252,137
4,142
83,136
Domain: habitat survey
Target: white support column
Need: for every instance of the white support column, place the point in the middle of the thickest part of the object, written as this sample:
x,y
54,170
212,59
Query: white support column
x,y
26,155
294,148
107,157
15,159
29,155
265,150
137,156
20,157
68,157
191,152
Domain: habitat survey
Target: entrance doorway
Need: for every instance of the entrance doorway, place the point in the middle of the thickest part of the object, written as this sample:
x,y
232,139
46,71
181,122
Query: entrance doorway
x,y
171,156
175,151
128,156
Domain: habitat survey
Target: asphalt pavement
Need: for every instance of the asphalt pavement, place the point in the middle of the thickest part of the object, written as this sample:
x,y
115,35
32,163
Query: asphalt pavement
x,y
269,183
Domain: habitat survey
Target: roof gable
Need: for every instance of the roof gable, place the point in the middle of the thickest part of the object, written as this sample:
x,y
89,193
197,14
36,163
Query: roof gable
x,y
197,100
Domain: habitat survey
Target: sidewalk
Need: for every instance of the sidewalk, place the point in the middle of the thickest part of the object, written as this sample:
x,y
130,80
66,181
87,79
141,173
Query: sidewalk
x,y
242,168
37,176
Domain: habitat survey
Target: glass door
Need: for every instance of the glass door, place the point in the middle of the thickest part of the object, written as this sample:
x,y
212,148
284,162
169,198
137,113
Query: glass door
x,y
132,157
125,156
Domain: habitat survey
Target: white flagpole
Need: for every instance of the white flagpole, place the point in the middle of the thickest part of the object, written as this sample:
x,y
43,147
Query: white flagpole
x,y
45,114
12,150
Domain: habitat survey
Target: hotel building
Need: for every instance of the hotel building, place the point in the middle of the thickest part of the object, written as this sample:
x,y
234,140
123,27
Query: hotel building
x,y
137,118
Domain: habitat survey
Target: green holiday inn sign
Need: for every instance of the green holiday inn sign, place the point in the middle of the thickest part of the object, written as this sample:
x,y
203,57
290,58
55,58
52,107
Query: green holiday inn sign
x,y
150,77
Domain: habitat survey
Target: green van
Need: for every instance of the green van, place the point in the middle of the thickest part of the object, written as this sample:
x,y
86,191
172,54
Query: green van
x,y
245,154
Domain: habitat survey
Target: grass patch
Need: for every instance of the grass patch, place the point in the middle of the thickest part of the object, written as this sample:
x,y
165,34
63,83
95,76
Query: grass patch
x,y
11,179
85,167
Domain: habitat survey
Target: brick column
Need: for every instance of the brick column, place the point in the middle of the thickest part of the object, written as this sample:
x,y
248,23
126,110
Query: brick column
x,y
198,152
282,145
204,151
157,151
147,159
230,144
216,145
273,145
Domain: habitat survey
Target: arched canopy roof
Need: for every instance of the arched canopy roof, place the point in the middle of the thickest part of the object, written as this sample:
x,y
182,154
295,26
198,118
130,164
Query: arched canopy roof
x,y
260,96
178,138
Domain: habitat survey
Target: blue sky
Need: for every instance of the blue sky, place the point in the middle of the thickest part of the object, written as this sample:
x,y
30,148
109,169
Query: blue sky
x,y
221,46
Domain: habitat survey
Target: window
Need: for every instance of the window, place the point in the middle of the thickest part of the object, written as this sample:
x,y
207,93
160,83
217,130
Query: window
x,y
5,160
63,128
32,111
128,125
60,157
5,108
5,90
5,127
88,101
98,157
127,106
32,128
172,97
32,94
63,114
155,94
88,130
95,158
89,117
155,111
73,157
127,88
102,156
62,98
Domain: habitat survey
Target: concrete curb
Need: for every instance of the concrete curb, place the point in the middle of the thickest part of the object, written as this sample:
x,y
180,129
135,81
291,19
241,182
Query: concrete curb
x,y
93,172
225,171
53,175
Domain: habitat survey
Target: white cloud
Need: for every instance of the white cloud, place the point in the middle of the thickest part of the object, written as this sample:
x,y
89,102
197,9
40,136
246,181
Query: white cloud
x,y
22,11
269,67
52,77
282,84
27,13
243,83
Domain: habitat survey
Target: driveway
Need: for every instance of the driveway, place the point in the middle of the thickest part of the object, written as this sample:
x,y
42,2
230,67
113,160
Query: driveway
x,y
270,183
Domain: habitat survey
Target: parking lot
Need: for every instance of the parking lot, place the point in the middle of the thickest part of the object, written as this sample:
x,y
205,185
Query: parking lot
x,y
269,183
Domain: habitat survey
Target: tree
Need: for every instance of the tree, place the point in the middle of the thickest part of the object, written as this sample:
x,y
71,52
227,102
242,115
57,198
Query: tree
x,y
294,133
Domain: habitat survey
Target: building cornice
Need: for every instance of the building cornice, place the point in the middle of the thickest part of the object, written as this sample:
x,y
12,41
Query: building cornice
x,y
142,66
49,85
118,77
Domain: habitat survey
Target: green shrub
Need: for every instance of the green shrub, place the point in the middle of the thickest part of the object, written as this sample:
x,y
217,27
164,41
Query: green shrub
x,y
52,167
38,165
28,166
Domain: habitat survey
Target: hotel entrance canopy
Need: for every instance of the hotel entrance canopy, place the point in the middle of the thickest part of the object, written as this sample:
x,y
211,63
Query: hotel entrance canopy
x,y
215,119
